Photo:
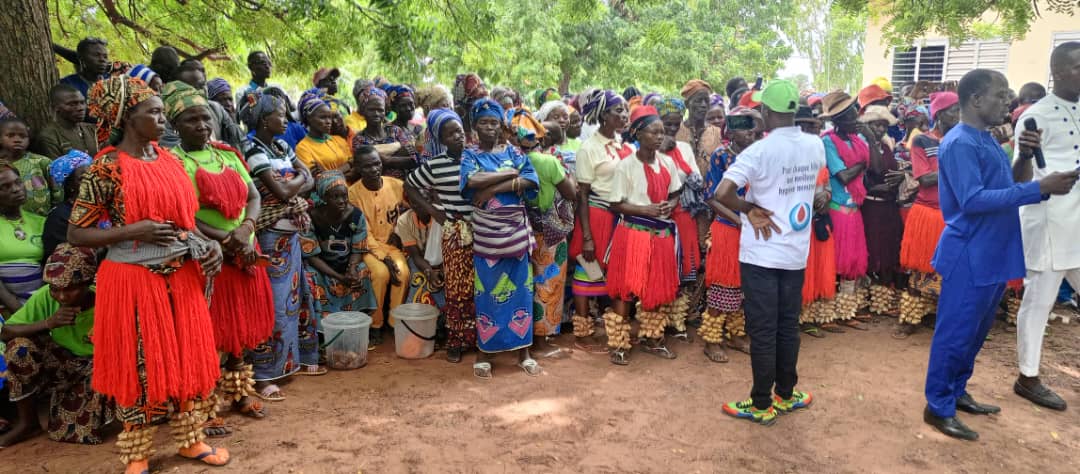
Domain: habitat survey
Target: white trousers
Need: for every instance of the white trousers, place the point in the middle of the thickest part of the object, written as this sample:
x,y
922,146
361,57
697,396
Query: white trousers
x,y
1040,293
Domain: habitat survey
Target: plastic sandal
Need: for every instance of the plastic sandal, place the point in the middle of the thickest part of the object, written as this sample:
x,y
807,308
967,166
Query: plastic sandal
x,y
530,367
482,370
620,357
253,408
309,371
203,456
660,351
271,393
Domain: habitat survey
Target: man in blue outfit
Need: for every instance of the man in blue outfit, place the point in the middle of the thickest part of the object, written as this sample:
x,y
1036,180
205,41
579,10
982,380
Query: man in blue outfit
x,y
980,249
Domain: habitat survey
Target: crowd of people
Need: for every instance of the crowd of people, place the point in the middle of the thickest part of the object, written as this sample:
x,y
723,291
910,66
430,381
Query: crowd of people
x,y
168,248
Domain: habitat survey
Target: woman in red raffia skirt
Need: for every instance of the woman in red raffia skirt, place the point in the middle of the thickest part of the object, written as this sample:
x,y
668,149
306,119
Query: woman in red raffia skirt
x,y
153,338
643,264
241,306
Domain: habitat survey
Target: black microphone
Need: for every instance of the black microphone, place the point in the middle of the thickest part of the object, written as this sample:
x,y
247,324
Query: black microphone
x,y
1031,126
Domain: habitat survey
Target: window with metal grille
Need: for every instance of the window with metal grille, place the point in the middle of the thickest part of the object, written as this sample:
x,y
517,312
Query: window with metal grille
x,y
1059,38
918,63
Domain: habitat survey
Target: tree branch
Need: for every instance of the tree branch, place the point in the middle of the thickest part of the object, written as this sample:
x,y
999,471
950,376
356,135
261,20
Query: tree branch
x,y
200,52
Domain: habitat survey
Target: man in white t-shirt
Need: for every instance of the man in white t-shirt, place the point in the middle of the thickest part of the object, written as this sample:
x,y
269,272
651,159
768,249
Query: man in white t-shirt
x,y
780,172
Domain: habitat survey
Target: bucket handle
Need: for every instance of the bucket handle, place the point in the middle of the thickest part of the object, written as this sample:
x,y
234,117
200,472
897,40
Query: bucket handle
x,y
402,321
332,339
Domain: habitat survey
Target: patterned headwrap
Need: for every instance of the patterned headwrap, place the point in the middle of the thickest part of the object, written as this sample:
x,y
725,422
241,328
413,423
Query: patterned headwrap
x,y
218,86
643,117
109,99
427,97
69,266
367,91
310,101
396,91
670,105
140,71
634,102
716,100
529,131
178,96
485,107
549,107
694,86
63,166
468,86
436,120
650,98
543,96
255,106
5,112
327,180
598,102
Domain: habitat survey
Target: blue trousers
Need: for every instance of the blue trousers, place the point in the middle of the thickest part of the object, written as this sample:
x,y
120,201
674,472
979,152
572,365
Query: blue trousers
x,y
964,316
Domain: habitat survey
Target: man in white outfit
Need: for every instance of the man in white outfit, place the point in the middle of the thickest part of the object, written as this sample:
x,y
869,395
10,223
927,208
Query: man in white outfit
x,y
1051,228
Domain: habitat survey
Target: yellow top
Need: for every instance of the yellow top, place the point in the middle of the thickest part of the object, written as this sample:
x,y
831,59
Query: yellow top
x,y
380,209
331,153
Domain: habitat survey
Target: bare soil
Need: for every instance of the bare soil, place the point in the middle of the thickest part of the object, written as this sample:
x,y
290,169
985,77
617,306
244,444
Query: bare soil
x,y
586,415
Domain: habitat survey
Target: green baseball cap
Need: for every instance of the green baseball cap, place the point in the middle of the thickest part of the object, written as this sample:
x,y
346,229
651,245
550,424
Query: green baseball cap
x,y
779,96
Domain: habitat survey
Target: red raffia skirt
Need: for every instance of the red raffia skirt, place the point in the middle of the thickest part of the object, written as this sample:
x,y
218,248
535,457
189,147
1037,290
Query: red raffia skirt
x,y
242,308
850,241
643,266
820,280
722,261
921,234
602,225
167,316
688,242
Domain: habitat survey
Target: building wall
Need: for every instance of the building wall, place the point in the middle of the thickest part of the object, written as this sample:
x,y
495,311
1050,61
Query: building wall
x,y
1029,58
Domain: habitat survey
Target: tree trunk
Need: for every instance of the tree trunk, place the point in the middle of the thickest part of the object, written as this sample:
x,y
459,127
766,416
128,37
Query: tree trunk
x,y
26,53
564,81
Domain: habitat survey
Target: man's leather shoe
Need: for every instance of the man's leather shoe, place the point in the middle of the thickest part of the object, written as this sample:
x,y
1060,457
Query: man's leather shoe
x,y
949,426
1040,395
968,404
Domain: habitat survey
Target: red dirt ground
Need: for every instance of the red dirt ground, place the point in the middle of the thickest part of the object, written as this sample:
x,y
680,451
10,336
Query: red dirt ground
x,y
586,415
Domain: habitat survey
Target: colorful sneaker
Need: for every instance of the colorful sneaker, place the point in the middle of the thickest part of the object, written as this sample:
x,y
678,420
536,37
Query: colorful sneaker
x,y
745,409
798,401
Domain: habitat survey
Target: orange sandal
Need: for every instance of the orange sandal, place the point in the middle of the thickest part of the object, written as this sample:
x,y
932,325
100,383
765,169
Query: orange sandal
x,y
138,467
207,454
253,408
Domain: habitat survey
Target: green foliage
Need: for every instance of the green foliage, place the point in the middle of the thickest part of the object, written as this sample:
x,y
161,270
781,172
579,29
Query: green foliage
x,y
833,40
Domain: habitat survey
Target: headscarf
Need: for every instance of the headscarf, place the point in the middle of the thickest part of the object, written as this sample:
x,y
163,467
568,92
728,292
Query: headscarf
x,y
650,97
694,86
327,180
549,107
217,86
671,105
69,266
468,86
396,91
544,96
337,105
310,101
942,100
367,91
178,96
436,120
485,107
140,71
109,99
528,129
255,106
427,97
63,166
642,117
5,112
716,100
598,102
634,102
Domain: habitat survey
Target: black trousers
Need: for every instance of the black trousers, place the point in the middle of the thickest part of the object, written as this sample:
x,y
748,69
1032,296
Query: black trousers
x,y
772,301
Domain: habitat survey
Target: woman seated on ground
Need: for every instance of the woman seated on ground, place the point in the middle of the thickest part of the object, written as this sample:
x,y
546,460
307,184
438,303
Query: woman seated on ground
x,y
20,243
397,150
498,180
321,149
334,251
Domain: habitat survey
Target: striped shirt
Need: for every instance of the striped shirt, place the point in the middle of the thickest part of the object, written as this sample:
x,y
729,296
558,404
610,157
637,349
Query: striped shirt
x,y
443,174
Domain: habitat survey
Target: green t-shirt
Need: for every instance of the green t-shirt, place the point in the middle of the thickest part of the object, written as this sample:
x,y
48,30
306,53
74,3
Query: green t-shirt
x,y
213,160
41,306
551,173
27,250
571,145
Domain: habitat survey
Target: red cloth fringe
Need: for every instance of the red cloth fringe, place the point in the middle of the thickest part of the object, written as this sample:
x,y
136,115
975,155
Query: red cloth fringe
x,y
173,326
658,182
241,308
850,240
225,192
167,315
820,280
645,268
602,225
921,234
722,262
688,240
